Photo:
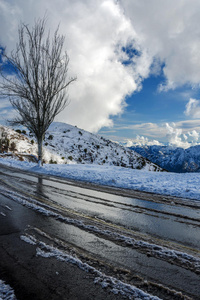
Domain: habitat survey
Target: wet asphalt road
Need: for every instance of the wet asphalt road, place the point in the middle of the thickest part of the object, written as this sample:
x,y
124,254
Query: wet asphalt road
x,y
173,223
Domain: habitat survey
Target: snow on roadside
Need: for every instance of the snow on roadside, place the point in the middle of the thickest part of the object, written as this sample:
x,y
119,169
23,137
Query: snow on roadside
x,y
116,285
184,185
155,250
6,292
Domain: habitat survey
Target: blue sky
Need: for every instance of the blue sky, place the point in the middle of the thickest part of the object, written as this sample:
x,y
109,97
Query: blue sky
x,y
149,105
137,64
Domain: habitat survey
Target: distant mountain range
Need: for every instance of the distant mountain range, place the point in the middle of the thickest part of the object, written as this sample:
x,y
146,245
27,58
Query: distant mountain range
x,y
68,144
172,159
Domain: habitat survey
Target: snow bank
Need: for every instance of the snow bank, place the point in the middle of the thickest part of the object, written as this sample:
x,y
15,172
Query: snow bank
x,y
116,286
181,185
6,293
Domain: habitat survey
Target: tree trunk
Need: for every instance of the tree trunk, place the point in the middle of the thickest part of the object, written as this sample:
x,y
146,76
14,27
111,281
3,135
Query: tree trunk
x,y
40,142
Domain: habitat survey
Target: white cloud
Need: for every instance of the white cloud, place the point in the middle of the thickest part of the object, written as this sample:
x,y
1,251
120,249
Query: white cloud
x,y
182,134
193,108
194,135
141,141
163,32
170,31
189,125
177,138
151,130
185,137
95,33
174,136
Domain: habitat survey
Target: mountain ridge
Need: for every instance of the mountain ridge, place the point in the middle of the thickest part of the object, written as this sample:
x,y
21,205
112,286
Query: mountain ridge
x,y
172,159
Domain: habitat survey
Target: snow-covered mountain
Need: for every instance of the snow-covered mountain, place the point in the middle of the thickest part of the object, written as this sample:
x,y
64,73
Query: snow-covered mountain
x,y
172,159
68,144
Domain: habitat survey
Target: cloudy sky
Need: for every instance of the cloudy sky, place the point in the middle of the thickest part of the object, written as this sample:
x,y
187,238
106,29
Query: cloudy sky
x,y
137,64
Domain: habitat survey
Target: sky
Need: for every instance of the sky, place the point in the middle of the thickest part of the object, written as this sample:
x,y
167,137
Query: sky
x,y
137,64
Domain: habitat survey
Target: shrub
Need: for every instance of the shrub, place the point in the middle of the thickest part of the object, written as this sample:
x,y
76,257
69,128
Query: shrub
x,y
32,142
70,157
18,131
50,137
12,146
24,131
5,144
52,161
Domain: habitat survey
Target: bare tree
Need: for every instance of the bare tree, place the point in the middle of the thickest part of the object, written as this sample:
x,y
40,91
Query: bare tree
x,y
37,90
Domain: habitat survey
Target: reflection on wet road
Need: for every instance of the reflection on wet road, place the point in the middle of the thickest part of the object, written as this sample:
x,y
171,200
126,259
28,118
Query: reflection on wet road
x,y
171,222
156,221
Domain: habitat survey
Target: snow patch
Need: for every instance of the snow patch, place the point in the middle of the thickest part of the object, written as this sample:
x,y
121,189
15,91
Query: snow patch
x,y
6,206
153,249
28,239
185,185
6,292
116,286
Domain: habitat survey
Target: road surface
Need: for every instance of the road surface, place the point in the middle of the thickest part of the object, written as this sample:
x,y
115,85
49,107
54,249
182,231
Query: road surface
x,y
61,239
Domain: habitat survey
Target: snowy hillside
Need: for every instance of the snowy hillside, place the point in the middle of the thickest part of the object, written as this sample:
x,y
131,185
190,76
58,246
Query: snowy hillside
x,y
172,159
68,144
18,144
79,146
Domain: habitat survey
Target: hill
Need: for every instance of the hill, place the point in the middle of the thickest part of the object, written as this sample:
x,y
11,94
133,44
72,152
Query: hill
x,y
68,144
